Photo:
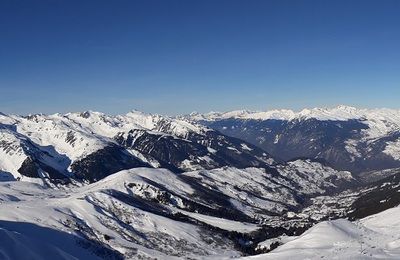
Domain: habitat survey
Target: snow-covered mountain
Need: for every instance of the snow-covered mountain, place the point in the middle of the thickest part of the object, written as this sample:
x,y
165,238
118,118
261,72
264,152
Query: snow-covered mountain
x,y
92,145
155,213
142,186
144,212
346,137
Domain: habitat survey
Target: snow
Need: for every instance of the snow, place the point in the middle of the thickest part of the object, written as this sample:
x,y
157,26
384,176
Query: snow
x,y
233,149
67,138
20,245
245,188
13,156
147,159
283,114
63,216
374,237
393,149
245,147
351,147
379,122
312,177
139,175
52,222
221,223
339,113
73,136
254,190
62,134
189,165
109,126
177,127
94,211
64,213
211,150
90,207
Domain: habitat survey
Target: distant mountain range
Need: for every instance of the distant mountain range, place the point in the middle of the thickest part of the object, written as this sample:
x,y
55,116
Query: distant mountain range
x,y
347,138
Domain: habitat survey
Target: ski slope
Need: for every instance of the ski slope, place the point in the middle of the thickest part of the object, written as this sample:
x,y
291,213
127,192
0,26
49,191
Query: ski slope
x,y
374,237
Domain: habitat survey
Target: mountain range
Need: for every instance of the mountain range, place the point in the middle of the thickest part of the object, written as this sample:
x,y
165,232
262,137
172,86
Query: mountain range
x,y
347,138
265,185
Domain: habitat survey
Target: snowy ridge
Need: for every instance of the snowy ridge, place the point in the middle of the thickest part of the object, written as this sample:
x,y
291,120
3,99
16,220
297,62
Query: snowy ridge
x,y
109,126
380,121
82,144
106,220
13,154
57,131
339,113
283,114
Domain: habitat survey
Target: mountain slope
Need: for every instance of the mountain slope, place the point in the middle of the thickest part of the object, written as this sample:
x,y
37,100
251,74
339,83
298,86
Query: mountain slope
x,y
90,146
147,212
374,237
20,157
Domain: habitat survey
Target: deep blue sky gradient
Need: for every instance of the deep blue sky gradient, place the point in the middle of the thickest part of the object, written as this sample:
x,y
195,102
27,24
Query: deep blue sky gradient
x,y
173,57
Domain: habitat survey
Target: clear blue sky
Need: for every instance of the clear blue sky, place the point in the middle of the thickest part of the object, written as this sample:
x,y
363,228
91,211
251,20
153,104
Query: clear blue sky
x,y
174,57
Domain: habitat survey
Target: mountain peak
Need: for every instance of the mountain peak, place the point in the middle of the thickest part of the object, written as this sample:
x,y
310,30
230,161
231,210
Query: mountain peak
x,y
345,107
338,113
